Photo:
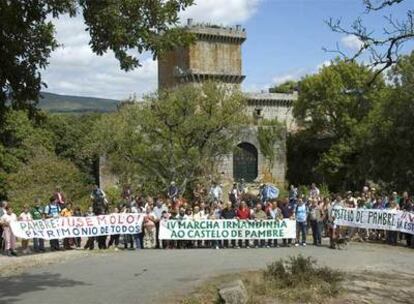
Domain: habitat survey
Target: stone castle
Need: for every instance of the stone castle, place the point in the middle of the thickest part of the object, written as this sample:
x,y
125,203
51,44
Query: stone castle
x,y
216,55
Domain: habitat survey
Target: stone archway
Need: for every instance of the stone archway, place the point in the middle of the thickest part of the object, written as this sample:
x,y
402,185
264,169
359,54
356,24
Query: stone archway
x,y
245,162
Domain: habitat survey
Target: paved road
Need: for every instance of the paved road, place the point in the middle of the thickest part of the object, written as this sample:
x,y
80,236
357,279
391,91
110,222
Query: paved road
x,y
149,276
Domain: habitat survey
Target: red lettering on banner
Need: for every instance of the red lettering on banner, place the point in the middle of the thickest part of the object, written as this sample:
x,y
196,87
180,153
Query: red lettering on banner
x,y
130,219
101,219
112,219
89,221
79,222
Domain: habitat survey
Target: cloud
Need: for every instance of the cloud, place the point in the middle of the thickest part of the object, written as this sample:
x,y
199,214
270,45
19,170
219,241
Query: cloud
x,y
74,69
226,12
326,63
291,75
296,74
351,42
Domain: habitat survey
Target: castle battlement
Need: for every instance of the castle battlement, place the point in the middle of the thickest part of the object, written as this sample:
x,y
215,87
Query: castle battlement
x,y
210,32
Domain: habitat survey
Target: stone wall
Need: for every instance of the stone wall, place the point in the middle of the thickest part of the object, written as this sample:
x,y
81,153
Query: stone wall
x,y
215,57
267,172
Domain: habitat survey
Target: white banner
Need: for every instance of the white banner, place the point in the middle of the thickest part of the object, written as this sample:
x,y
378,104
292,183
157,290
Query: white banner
x,y
227,229
67,227
395,220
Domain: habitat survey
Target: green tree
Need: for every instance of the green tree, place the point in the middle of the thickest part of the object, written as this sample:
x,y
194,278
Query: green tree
x,y
289,86
123,26
39,177
173,135
72,139
270,132
21,137
332,106
388,135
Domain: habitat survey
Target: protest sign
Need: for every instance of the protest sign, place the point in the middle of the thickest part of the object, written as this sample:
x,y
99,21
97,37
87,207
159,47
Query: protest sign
x,y
72,226
226,229
375,219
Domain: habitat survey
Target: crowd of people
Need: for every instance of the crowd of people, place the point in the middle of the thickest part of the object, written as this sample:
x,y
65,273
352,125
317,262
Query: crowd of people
x,y
311,211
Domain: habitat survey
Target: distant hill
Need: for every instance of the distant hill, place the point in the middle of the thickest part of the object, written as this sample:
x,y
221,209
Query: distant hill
x,y
56,103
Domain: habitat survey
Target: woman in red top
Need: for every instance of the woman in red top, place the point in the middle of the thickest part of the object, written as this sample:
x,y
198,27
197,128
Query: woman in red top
x,y
243,213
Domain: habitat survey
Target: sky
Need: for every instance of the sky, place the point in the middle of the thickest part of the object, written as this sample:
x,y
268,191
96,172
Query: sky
x,y
285,40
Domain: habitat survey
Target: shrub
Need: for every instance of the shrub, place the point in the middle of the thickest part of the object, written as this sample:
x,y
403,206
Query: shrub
x,y
298,279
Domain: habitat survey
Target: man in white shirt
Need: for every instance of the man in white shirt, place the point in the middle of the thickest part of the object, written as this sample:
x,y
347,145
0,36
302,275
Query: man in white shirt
x,y
159,208
216,192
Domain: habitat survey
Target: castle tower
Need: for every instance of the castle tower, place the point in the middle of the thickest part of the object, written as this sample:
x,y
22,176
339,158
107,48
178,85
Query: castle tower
x,y
215,55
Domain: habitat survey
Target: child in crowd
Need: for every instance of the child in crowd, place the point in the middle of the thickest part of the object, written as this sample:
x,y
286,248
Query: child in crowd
x,y
25,216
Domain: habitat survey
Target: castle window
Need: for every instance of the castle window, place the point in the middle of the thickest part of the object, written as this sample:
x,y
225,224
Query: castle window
x,y
258,112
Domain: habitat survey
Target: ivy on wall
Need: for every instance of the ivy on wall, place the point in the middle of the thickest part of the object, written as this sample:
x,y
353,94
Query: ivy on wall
x,y
269,133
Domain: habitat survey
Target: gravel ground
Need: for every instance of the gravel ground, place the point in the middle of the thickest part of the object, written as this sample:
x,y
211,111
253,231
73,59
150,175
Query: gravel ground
x,y
154,276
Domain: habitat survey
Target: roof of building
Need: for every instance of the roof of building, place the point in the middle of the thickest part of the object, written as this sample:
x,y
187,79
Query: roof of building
x,y
272,96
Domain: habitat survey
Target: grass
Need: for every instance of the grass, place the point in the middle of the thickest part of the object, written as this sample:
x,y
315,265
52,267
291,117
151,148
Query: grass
x,y
298,279
295,280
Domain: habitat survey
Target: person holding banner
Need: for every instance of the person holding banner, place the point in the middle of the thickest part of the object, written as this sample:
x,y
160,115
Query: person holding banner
x,y
392,236
273,213
158,210
37,214
333,228
149,229
228,213
77,240
259,215
52,210
8,236
3,205
287,209
181,216
90,243
243,213
25,216
114,238
67,212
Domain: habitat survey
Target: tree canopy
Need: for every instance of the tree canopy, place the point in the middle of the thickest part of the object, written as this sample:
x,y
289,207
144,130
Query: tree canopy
x,y
351,132
173,135
289,86
126,27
